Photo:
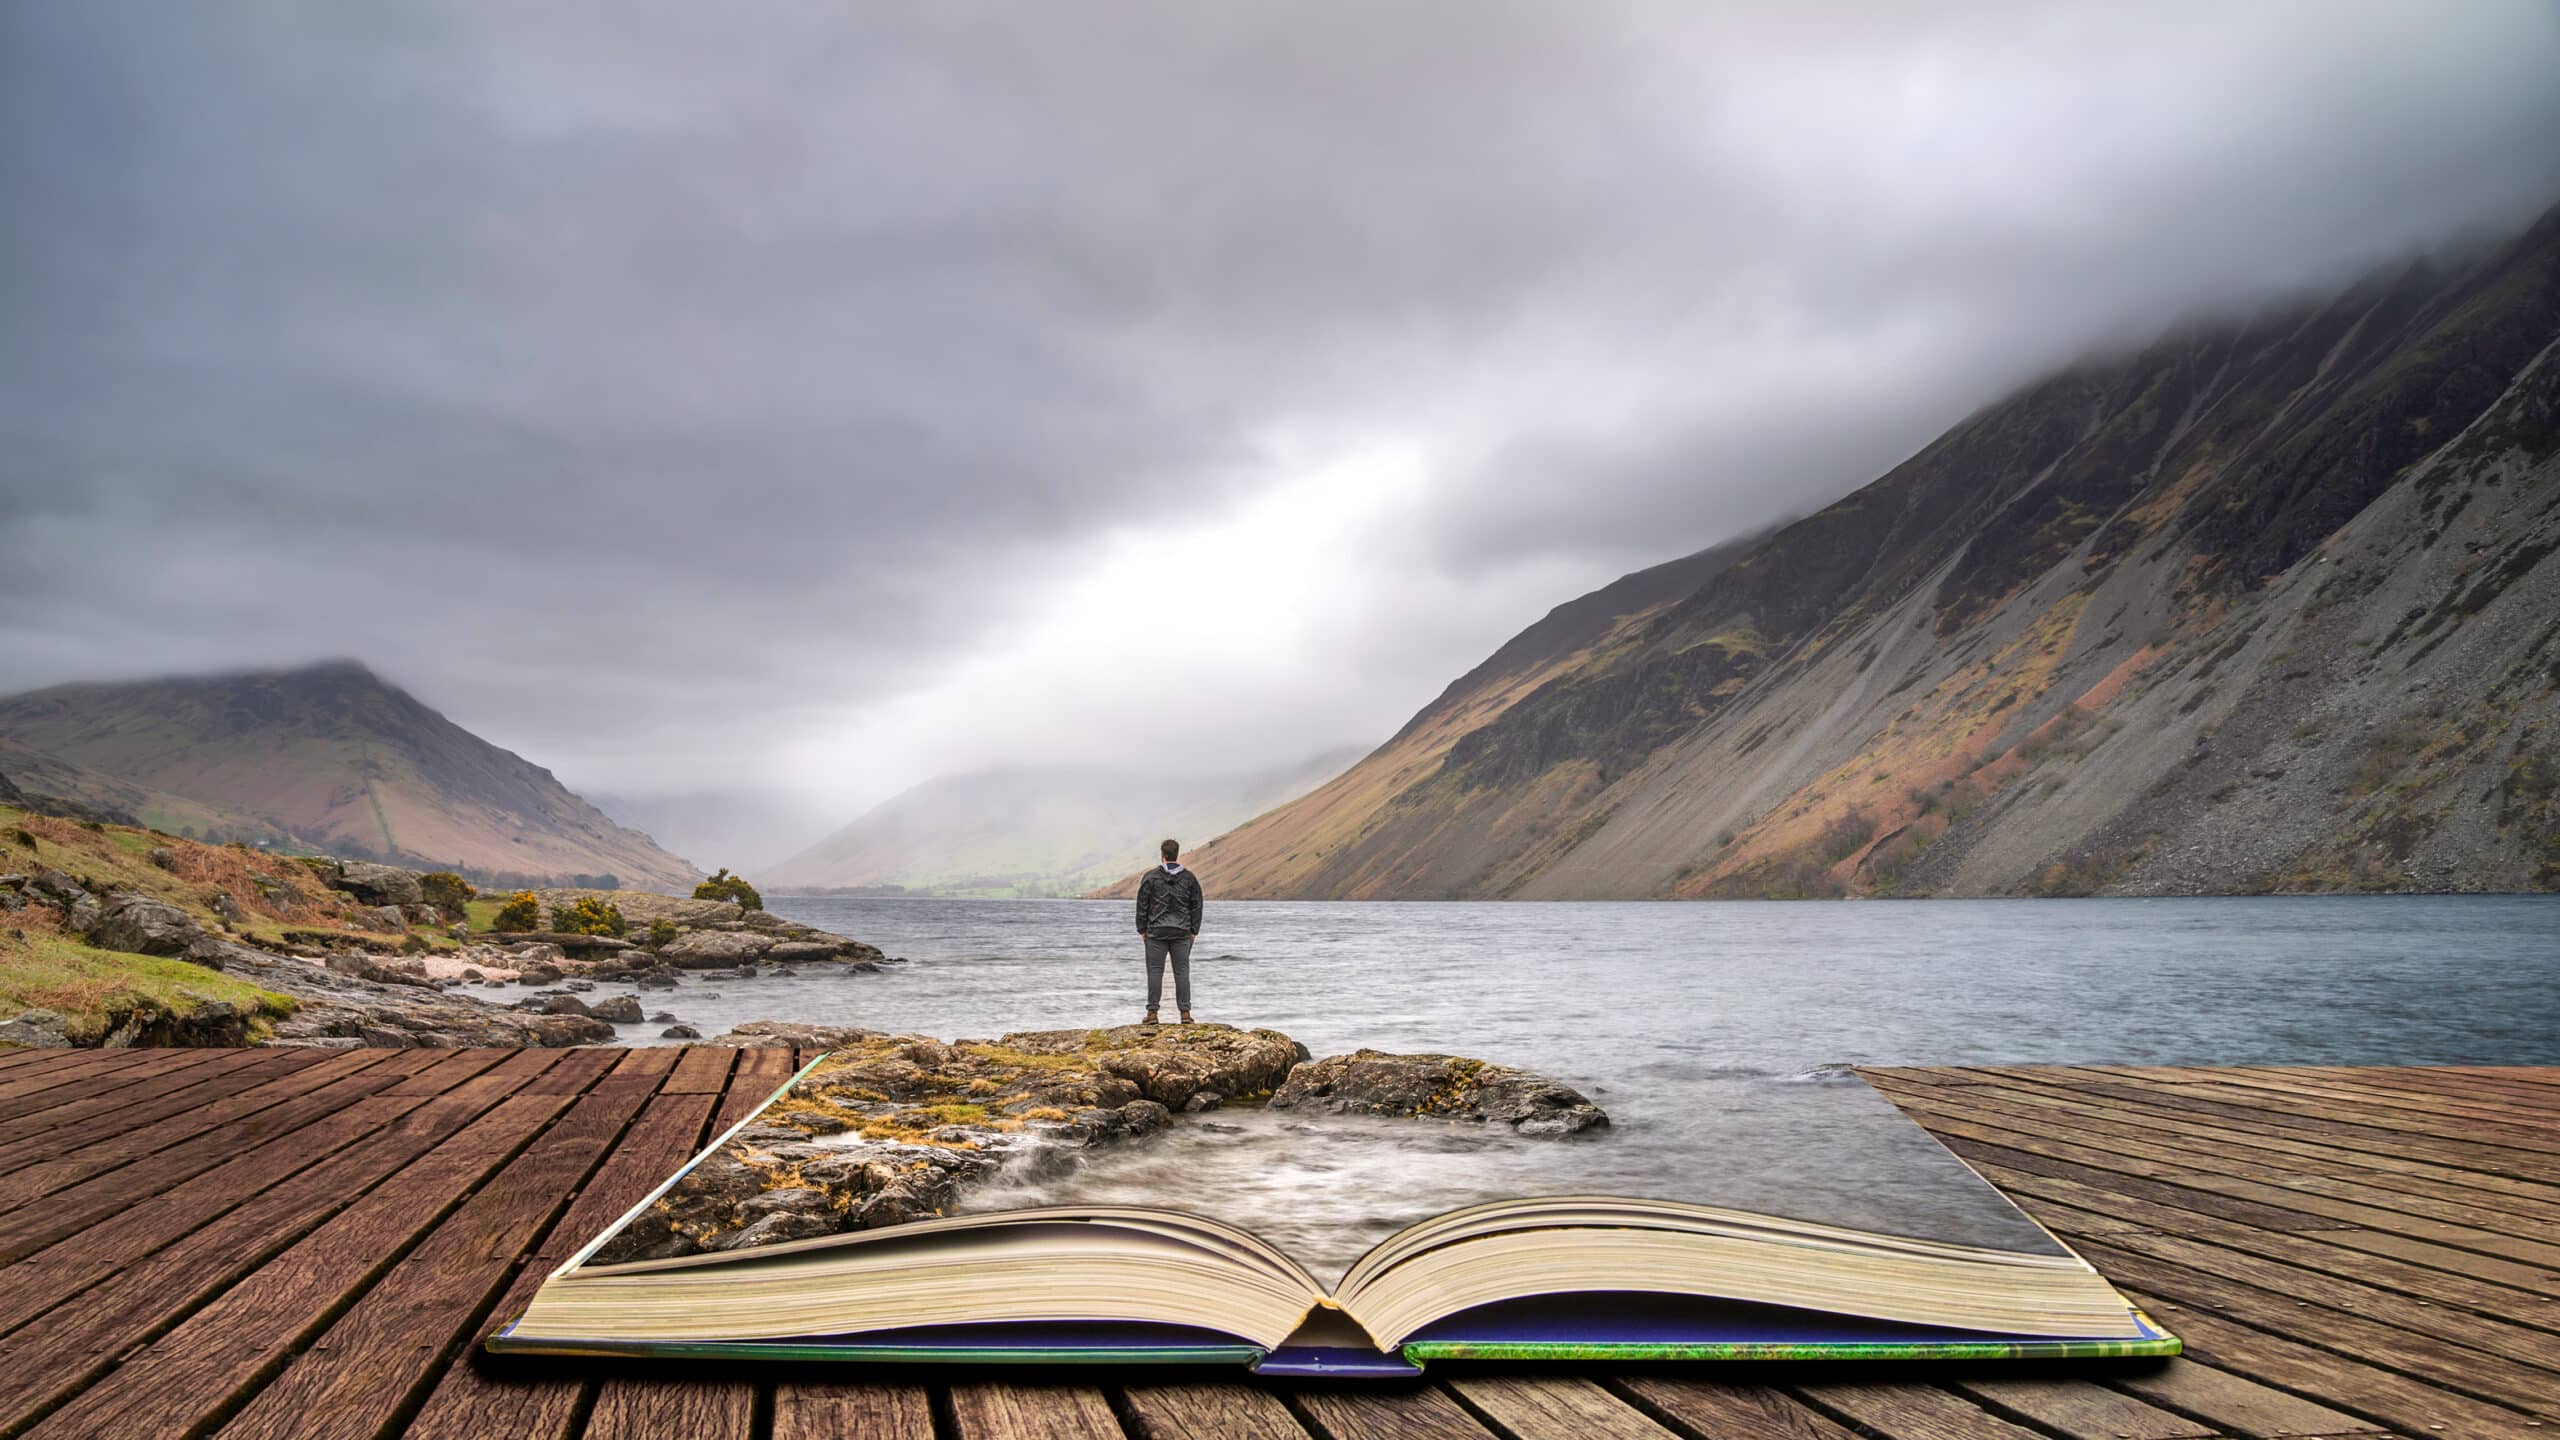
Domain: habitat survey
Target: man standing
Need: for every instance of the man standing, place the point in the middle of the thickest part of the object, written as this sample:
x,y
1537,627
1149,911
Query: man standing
x,y
1169,911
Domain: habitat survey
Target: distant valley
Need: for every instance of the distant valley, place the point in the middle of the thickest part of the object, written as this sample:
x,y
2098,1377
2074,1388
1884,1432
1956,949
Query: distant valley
x,y
1038,831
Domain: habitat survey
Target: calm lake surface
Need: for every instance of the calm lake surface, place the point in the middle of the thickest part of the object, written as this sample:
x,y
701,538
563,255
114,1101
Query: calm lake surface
x,y
1713,1033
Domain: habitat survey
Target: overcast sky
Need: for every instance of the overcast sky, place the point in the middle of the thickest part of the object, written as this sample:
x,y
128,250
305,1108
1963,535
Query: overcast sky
x,y
818,397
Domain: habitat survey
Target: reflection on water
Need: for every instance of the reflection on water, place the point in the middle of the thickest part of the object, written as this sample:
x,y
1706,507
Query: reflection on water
x,y
1714,1034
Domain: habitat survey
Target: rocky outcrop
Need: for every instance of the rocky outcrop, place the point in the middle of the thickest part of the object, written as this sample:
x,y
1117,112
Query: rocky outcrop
x,y
889,1128
143,926
379,884
715,949
1444,1087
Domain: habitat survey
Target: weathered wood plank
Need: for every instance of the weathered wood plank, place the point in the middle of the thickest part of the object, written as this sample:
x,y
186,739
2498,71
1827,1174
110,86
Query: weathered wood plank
x,y
73,1207
2080,1410
50,1160
1555,1407
805,1410
131,1106
65,1269
2233,1405
1424,1413
467,1402
701,1409
1912,1412
759,1074
704,1070
2393,1400
96,1071
1727,1411
70,1345
1231,1410
212,1360
362,1372
1007,1410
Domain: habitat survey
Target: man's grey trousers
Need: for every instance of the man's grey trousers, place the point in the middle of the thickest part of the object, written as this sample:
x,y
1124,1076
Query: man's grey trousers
x,y
1180,950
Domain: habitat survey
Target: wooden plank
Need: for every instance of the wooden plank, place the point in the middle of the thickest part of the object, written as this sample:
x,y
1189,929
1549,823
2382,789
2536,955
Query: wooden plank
x,y
51,1358
113,1072
2374,1111
166,1093
809,1410
1724,1410
759,1074
1232,1410
363,1371
1555,1407
704,1070
1424,1413
2080,1410
2441,1363
1911,1412
467,1402
1011,1410
215,1358
65,1269
2233,1405
70,1209
2395,1401
700,1409
77,1155
2469,1143
2310,1194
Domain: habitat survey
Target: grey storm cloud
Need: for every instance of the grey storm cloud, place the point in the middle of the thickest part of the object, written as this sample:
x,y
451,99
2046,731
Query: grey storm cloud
x,y
652,385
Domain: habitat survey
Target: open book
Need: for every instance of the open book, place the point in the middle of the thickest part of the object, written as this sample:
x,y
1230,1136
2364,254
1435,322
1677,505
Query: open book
x,y
1591,1277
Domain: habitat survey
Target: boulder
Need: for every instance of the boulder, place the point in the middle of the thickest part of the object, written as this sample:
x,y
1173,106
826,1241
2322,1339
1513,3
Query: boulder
x,y
565,1005
379,884
789,952
143,926
663,1017
679,1032
760,1033
714,949
1453,1087
386,917
36,1030
164,857
620,1009
229,909
1178,1066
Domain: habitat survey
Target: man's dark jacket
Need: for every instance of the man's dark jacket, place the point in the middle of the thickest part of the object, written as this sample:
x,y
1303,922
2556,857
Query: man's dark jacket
x,y
1169,903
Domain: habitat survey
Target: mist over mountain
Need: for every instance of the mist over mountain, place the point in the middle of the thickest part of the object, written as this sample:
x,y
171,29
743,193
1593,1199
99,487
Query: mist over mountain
x,y
1040,830
329,757
2268,605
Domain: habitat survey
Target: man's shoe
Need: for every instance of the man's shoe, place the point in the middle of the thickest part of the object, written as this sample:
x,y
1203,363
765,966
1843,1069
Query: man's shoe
x,y
1151,1019
1186,1017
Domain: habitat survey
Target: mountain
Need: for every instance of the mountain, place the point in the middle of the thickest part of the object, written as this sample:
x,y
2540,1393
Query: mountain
x,y
328,757
1032,831
2268,605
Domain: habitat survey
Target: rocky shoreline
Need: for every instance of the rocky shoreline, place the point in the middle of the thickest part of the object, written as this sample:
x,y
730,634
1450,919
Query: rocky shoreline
x,y
893,1128
358,954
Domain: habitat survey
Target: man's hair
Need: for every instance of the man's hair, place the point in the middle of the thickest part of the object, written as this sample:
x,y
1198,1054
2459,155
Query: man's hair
x,y
1171,848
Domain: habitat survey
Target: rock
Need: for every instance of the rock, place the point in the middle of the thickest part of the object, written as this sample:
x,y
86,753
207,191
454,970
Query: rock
x,y
386,917
36,1030
619,1009
714,949
1372,1082
792,952
379,884
663,1017
537,953
746,972
759,1033
460,930
565,1005
578,986
143,926
164,857
537,973
229,909
472,972
679,1032
1174,1064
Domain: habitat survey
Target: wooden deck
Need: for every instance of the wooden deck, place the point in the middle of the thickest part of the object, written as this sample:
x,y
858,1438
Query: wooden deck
x,y
308,1244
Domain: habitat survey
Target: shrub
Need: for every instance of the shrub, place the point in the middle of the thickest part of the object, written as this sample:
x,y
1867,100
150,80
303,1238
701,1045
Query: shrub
x,y
662,931
725,886
589,916
24,837
415,945
447,891
1842,837
521,912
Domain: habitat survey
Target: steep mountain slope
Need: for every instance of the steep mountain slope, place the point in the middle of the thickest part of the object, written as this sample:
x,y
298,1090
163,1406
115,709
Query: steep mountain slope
x,y
2264,606
1037,831
328,757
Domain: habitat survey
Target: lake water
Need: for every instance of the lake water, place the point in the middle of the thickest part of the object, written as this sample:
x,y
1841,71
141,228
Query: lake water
x,y
1713,1033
